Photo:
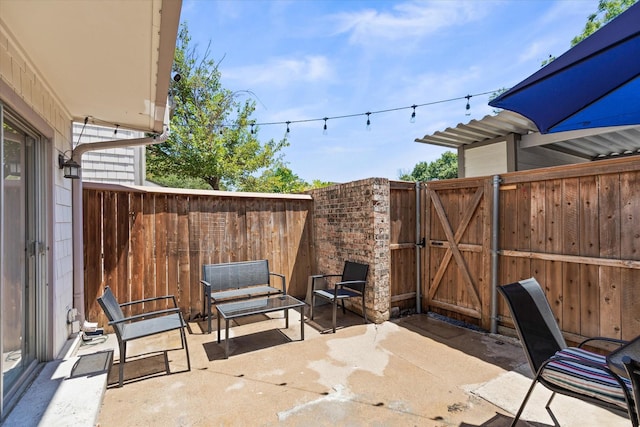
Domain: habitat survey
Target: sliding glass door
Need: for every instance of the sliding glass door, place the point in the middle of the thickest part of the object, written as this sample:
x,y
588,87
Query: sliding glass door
x,y
23,252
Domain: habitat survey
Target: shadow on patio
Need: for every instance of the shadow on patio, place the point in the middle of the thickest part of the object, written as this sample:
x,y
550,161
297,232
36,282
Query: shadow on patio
x,y
415,370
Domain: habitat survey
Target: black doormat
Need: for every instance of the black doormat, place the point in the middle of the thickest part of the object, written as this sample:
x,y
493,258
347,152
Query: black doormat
x,y
92,364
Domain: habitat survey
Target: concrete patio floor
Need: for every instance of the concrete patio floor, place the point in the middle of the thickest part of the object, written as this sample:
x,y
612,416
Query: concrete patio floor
x,y
412,371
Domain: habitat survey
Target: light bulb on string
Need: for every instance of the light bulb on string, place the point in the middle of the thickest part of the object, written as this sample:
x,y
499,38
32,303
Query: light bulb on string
x,y
368,114
252,129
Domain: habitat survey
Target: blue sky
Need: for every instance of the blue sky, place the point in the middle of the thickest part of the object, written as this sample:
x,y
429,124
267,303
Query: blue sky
x,y
310,59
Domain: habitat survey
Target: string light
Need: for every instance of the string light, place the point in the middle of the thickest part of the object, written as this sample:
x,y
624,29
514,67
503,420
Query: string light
x,y
369,113
115,132
325,119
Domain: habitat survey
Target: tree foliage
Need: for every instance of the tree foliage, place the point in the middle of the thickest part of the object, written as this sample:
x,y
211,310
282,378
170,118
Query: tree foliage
x,y
607,10
210,137
446,167
277,179
281,179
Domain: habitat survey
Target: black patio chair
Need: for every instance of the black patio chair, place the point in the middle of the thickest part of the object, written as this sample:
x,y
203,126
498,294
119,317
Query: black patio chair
x,y
142,325
571,371
352,284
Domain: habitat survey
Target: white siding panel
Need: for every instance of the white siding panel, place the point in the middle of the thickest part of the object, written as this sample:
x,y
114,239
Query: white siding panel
x,y
102,165
485,160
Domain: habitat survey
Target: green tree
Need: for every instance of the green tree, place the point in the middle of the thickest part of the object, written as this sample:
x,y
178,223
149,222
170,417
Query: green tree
x,y
210,137
278,179
176,181
446,167
316,183
607,10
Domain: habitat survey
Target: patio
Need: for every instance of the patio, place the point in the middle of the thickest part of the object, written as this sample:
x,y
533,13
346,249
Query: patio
x,y
416,370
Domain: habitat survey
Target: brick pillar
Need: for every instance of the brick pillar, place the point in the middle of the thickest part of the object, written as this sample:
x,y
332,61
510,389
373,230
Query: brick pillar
x,y
351,222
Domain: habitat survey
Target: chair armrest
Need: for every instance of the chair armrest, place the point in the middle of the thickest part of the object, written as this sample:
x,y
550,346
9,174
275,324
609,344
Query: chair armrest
x,y
320,276
340,285
143,315
605,339
350,283
284,281
140,301
206,286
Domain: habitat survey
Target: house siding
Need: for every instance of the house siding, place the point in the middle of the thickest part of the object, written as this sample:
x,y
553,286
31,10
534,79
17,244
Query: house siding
x,y
485,160
26,93
125,165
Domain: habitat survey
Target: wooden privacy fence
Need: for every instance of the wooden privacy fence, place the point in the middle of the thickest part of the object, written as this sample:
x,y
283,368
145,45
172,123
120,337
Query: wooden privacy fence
x,y
154,242
403,219
575,228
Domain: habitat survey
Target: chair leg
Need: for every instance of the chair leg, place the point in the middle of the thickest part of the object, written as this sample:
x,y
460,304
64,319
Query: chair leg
x,y
550,412
313,302
343,309
524,402
335,306
123,356
166,362
364,311
186,347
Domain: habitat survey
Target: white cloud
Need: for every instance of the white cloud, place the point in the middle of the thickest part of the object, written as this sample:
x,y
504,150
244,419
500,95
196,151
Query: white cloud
x,y
406,20
283,71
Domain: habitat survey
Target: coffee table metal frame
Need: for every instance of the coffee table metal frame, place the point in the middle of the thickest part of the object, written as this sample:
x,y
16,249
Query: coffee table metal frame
x,y
236,309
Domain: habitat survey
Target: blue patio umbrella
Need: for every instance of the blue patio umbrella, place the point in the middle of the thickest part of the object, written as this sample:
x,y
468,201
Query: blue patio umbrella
x,y
594,84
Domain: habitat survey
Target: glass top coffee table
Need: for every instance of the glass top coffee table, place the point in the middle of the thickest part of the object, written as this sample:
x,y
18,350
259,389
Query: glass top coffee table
x,y
614,359
236,309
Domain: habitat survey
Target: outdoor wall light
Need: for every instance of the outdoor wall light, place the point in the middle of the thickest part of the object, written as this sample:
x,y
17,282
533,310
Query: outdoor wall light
x,y
71,168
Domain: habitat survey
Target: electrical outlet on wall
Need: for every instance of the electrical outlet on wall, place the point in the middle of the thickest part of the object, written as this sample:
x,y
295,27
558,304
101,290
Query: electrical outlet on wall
x,y
71,315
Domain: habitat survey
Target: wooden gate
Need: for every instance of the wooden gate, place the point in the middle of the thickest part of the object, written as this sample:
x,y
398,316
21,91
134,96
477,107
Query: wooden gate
x,y
456,258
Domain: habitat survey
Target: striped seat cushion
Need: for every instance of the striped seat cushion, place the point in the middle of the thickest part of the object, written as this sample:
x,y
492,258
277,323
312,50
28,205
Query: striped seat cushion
x,y
586,380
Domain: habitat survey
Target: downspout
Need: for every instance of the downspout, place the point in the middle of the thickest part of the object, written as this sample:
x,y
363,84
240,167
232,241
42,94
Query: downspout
x,y
77,220
418,247
494,253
